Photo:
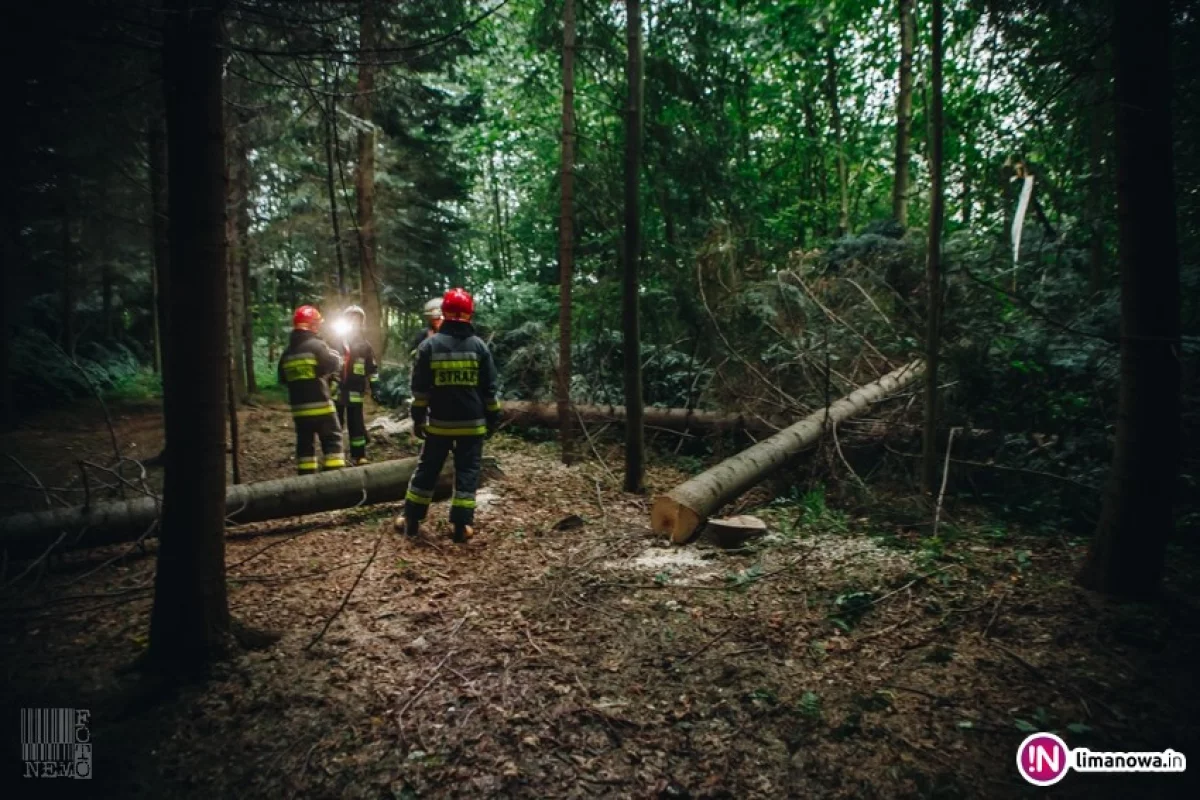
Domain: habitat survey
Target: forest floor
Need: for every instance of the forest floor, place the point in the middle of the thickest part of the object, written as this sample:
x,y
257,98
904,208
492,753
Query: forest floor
x,y
569,652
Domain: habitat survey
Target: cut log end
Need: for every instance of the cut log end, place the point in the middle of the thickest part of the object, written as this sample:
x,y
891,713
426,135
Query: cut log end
x,y
674,519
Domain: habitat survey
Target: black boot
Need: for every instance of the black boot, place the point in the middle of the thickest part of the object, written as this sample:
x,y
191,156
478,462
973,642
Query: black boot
x,y
463,532
409,526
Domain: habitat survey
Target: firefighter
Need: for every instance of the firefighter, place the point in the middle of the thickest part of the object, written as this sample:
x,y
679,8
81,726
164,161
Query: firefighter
x,y
305,368
359,369
454,408
433,318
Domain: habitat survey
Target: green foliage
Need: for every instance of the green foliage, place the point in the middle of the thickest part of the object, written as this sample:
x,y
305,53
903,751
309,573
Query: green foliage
x,y
850,607
819,516
752,297
47,379
763,695
1041,722
144,384
394,386
809,706
526,358
743,579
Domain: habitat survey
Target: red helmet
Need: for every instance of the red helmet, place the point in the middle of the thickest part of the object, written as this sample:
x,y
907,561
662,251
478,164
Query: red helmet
x,y
306,318
457,304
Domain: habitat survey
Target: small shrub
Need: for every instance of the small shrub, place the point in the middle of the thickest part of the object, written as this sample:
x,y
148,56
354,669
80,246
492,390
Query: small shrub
x,y
809,706
393,386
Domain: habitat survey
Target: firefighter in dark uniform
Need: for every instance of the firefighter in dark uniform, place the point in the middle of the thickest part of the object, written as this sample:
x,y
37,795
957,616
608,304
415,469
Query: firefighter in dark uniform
x,y
433,318
359,369
305,368
454,408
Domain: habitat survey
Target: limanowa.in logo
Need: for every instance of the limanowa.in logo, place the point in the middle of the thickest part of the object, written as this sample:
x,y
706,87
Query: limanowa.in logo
x,y
1044,759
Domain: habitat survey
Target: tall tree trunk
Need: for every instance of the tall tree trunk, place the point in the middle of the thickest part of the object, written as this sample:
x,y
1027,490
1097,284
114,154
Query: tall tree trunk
x,y
106,299
11,255
835,119
156,329
237,303
1136,520
933,258
507,240
498,223
821,227
67,290
330,133
904,112
1097,279
967,198
189,624
635,444
157,132
231,403
566,233
364,178
243,266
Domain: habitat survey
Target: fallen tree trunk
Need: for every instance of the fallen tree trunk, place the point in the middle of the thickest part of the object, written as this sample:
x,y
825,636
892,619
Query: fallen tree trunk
x,y
680,512
522,412
29,534
519,412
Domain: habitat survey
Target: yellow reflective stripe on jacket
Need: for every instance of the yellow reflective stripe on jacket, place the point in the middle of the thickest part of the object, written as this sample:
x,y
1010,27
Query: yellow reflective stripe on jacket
x,y
300,358
457,423
312,409
422,402
360,368
438,430
299,372
356,397
458,355
493,405
461,364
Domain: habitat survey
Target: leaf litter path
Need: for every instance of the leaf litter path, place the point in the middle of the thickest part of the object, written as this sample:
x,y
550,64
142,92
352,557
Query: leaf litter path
x,y
587,659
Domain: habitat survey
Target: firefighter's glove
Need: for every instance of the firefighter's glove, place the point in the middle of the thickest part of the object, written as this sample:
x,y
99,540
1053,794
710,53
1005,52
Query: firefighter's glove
x,y
419,430
493,424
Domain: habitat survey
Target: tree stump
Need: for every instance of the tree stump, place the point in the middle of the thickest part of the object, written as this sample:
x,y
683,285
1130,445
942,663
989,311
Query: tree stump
x,y
733,532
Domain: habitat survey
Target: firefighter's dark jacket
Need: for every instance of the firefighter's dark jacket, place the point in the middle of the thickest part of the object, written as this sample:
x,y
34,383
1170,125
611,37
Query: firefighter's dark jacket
x,y
428,333
305,367
454,383
358,369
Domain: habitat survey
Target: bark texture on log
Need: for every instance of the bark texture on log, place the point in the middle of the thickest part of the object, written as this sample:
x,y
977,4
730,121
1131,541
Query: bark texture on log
x,y
30,534
680,512
520,412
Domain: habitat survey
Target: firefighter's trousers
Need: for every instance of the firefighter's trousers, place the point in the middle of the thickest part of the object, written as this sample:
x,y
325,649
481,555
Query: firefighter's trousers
x,y
326,428
353,420
468,462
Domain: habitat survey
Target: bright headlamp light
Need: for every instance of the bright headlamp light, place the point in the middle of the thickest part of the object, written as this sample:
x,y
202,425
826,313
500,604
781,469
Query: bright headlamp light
x,y
341,326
